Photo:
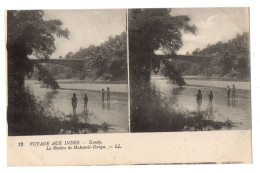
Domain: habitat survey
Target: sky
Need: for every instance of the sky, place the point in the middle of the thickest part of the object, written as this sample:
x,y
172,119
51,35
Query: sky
x,y
86,27
213,25
95,26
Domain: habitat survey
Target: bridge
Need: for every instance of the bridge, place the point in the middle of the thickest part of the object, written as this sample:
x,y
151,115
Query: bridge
x,y
72,63
77,64
201,60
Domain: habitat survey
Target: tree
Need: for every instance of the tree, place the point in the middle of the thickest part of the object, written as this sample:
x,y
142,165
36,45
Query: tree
x,y
225,62
108,60
243,67
196,51
150,30
173,73
230,58
69,55
27,35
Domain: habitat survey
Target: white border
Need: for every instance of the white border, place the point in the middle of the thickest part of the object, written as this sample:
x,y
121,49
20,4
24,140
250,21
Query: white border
x,y
81,4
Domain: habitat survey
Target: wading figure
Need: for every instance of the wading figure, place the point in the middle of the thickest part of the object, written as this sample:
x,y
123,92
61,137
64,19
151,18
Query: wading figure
x,y
108,98
210,98
199,99
86,102
103,98
74,103
228,92
108,94
228,96
233,93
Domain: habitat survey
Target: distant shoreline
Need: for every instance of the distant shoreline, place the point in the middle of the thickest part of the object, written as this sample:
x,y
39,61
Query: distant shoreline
x,y
216,78
81,81
210,82
208,78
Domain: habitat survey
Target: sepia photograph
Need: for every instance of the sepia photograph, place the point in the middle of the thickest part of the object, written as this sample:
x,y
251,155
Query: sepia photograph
x,y
121,85
189,69
67,72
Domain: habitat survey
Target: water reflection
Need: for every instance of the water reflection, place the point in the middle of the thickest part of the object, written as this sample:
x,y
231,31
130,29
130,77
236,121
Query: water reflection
x,y
59,103
175,92
211,110
103,104
236,109
50,95
108,105
231,103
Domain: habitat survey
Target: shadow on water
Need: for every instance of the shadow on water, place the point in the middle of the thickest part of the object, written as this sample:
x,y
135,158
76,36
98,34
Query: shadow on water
x,y
175,92
108,105
49,96
103,105
231,103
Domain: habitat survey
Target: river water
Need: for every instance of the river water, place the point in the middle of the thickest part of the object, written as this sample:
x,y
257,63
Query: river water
x,y
116,114
184,98
113,113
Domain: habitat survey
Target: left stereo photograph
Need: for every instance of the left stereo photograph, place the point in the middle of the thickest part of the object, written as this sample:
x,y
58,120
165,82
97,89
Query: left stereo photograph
x,y
67,72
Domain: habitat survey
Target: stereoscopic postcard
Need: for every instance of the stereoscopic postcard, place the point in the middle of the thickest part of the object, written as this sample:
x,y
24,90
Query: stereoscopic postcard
x,y
128,86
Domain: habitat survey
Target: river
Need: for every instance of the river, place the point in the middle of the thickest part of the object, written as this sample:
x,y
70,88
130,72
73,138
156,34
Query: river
x,y
114,114
184,98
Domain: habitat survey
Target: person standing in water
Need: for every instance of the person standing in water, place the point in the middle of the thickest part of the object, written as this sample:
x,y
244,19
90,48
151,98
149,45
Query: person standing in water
x,y
108,98
228,92
210,98
103,94
199,99
74,102
108,94
86,102
233,92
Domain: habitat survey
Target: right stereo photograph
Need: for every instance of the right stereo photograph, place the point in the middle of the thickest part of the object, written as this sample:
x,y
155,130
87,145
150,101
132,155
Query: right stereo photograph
x,y
189,69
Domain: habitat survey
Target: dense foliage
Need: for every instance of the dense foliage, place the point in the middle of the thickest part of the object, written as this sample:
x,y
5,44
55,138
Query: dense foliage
x,y
228,59
28,35
107,61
